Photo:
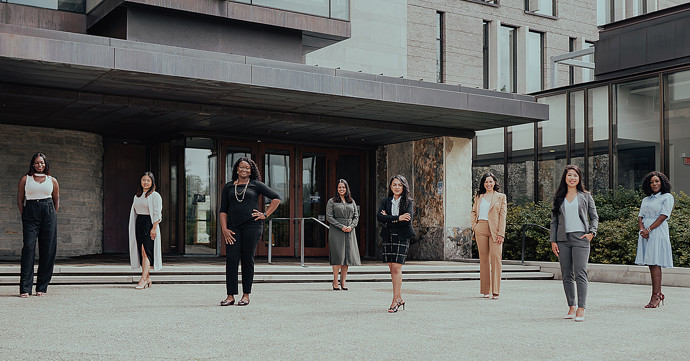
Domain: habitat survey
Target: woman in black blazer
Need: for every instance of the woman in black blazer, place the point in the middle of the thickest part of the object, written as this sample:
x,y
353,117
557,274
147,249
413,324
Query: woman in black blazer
x,y
395,213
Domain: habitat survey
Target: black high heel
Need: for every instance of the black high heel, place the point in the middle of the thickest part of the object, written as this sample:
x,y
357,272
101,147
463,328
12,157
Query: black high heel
x,y
397,307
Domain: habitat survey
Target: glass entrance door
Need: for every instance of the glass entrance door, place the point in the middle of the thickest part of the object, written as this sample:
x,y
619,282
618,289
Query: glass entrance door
x,y
278,176
201,192
315,194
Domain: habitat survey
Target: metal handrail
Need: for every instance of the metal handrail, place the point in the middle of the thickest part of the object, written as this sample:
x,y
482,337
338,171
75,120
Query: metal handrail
x,y
522,230
301,242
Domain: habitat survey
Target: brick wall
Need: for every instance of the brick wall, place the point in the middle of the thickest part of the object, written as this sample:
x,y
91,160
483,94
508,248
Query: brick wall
x,y
76,161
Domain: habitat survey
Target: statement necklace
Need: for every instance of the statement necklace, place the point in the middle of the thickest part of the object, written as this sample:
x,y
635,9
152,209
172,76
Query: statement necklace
x,y
243,193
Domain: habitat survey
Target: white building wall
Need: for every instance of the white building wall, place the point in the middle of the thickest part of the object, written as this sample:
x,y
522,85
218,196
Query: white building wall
x,y
378,42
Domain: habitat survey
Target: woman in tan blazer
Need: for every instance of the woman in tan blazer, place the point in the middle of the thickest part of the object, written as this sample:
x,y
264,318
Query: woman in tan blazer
x,y
489,227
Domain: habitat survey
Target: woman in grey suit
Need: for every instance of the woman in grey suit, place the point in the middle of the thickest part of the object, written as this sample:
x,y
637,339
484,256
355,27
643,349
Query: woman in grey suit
x,y
343,216
574,223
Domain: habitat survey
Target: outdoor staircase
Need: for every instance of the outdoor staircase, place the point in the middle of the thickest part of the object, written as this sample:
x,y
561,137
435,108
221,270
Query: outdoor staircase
x,y
287,273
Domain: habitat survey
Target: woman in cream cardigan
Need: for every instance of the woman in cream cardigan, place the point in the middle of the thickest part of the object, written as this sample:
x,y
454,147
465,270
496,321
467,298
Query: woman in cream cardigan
x,y
144,230
489,227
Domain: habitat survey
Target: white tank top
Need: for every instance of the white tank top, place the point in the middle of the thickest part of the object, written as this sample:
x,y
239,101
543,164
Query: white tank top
x,y
141,205
34,190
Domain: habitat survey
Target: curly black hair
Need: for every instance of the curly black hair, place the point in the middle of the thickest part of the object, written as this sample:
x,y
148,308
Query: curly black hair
x,y
254,175
646,183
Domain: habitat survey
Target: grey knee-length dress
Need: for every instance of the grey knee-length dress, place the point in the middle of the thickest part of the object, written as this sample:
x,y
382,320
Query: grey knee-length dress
x,y
343,249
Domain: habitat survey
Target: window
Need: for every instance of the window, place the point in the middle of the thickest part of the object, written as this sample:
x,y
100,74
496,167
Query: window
x,y
609,11
485,54
440,22
588,74
64,5
507,59
636,121
488,147
535,61
543,7
571,69
677,118
598,124
551,146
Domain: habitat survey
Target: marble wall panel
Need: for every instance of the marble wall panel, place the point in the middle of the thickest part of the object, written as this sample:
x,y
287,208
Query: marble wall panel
x,y
429,213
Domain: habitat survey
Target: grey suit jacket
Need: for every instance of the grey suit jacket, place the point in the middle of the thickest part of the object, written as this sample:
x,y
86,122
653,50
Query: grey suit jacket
x,y
588,214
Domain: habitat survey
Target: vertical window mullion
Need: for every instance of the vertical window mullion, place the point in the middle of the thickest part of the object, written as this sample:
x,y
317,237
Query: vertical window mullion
x,y
440,45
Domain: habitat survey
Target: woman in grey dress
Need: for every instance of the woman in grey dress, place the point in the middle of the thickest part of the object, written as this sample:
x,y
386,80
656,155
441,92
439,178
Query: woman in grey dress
x,y
343,216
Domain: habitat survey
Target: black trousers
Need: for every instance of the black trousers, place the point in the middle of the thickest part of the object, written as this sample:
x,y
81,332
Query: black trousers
x,y
39,220
247,237
142,228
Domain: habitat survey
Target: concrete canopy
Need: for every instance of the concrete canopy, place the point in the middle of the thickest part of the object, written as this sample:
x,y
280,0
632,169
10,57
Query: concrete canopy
x,y
128,89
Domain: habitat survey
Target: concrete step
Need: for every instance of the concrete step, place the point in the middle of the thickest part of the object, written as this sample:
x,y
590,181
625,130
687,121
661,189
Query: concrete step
x,y
116,274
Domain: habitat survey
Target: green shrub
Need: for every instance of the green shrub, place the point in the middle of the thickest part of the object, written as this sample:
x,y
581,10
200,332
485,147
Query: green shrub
x,y
616,240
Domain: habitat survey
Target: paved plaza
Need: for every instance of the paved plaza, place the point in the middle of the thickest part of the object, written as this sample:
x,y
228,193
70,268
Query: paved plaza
x,y
307,321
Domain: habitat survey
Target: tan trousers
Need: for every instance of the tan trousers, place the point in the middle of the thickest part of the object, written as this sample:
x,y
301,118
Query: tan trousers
x,y
489,260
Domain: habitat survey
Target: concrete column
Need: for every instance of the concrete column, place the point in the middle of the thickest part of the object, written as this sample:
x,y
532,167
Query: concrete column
x,y
457,195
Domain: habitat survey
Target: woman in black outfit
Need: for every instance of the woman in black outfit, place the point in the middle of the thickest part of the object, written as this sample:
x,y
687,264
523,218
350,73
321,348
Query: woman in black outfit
x,y
242,224
395,213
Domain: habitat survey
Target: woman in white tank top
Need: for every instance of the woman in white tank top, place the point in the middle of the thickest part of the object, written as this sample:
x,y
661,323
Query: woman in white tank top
x,y
38,199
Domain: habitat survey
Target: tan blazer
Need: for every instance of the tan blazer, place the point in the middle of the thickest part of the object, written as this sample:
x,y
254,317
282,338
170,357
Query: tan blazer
x,y
497,215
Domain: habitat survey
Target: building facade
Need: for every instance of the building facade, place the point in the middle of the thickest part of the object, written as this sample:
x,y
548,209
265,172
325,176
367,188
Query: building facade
x,y
109,89
631,120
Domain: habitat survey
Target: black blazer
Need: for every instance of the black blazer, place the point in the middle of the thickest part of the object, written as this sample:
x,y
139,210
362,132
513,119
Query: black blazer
x,y
391,223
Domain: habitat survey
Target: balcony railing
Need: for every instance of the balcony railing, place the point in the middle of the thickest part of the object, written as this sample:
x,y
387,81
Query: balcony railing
x,y
335,9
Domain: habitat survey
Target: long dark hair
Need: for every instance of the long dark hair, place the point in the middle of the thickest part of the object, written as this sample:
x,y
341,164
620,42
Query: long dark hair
x,y
405,197
140,191
647,187
347,196
32,170
563,189
254,175
482,189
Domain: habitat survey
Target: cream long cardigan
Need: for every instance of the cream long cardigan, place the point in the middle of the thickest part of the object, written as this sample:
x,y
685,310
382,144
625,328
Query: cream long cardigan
x,y
155,208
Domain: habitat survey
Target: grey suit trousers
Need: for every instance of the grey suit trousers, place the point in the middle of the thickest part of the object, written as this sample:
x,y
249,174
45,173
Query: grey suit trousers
x,y
573,257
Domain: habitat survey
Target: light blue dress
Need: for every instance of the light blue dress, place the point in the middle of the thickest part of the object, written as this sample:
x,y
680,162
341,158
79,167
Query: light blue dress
x,y
655,250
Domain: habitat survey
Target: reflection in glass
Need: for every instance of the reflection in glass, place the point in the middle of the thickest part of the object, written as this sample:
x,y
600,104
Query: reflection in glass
x,y
489,158
314,198
535,61
598,115
636,148
506,59
677,114
520,187
577,129
552,142
277,177
201,192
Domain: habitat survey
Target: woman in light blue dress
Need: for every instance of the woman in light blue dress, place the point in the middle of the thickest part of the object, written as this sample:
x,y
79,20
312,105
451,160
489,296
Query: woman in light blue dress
x,y
654,242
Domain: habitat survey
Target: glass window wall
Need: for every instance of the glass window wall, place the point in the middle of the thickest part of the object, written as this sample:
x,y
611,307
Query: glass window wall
x,y
535,61
551,149
636,120
520,187
507,59
489,157
77,6
598,115
543,7
577,129
336,9
677,116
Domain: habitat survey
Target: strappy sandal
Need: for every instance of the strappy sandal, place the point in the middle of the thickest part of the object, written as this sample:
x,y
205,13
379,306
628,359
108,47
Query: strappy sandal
x,y
659,301
38,294
24,295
